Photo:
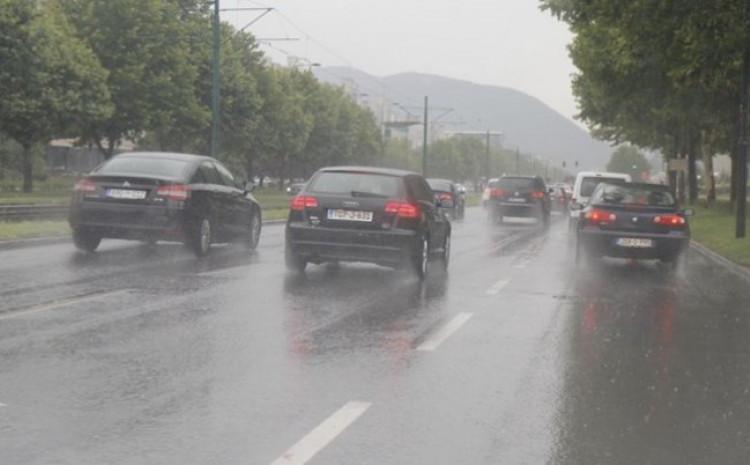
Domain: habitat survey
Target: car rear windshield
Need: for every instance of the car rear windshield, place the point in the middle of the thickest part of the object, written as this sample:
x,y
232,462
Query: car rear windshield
x,y
439,185
148,166
356,184
589,184
514,184
625,194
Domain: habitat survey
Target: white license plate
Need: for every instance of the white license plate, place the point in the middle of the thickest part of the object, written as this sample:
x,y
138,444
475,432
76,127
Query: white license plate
x,y
517,200
349,215
128,194
635,243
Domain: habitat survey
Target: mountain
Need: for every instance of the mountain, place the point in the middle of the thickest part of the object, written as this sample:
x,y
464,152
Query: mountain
x,y
525,121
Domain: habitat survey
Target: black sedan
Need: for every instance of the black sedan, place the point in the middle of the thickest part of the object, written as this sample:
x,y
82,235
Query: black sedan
x,y
519,197
633,220
452,201
363,214
153,196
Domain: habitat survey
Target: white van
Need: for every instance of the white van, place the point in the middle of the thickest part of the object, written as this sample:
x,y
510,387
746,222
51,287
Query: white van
x,y
584,186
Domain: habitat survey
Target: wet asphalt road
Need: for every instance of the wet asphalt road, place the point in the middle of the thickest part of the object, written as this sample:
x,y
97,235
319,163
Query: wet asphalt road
x,y
138,355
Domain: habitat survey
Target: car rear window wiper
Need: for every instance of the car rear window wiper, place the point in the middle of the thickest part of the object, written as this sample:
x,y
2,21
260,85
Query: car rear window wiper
x,y
367,194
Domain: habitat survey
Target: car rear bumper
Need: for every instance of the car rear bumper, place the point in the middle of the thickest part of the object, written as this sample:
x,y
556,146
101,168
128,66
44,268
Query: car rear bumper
x,y
129,221
604,243
321,244
526,210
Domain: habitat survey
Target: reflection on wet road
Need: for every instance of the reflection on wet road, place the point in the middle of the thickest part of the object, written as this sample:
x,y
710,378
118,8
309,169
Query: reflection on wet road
x,y
141,354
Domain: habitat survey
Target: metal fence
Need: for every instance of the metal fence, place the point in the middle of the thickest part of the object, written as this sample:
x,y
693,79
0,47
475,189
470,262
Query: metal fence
x,y
32,212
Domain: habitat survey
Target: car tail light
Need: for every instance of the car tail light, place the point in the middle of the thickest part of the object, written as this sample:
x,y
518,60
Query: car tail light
x,y
600,217
174,191
403,209
496,193
537,194
670,220
300,202
85,185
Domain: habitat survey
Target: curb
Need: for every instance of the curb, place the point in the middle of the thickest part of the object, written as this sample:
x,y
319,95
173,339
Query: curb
x,y
52,240
731,266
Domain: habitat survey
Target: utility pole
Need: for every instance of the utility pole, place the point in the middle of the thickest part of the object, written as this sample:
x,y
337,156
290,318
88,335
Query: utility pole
x,y
424,142
215,81
518,162
742,153
487,155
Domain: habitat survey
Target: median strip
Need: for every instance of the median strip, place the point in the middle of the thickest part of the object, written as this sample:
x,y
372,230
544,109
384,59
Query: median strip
x,y
440,336
317,439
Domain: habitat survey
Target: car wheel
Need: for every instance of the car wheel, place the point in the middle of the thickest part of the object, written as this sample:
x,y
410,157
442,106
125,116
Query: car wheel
x,y
293,261
85,241
254,233
446,258
422,258
201,238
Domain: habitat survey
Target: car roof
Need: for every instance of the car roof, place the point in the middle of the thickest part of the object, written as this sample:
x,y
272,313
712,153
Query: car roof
x,y
601,174
440,179
166,155
369,170
644,185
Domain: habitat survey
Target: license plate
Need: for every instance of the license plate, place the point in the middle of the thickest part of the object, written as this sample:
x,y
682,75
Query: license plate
x,y
127,194
349,215
517,200
635,243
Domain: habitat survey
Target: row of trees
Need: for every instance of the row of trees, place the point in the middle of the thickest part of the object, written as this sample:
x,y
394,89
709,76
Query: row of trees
x,y
661,74
107,71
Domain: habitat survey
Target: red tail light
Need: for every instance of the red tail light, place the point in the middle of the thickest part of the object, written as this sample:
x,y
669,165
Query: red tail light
x,y
537,194
403,209
670,220
300,202
601,217
496,193
174,191
85,185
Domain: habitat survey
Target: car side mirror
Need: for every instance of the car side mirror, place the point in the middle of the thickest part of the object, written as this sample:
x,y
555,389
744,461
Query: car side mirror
x,y
249,186
688,212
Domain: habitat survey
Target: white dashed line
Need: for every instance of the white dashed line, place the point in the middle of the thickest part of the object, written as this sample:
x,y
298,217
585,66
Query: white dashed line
x,y
497,287
3,405
61,303
317,439
432,342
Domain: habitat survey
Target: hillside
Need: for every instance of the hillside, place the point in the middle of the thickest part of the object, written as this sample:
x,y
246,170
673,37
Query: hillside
x,y
526,121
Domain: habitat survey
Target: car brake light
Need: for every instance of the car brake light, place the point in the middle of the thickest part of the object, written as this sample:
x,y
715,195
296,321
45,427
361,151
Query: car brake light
x,y
403,209
300,202
85,185
174,191
670,220
496,192
537,194
600,217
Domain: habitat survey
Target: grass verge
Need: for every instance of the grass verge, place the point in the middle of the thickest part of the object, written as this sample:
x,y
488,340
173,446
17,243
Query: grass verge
x,y
30,229
714,228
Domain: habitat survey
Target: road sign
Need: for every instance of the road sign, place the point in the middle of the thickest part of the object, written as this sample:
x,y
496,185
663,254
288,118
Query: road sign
x,y
678,164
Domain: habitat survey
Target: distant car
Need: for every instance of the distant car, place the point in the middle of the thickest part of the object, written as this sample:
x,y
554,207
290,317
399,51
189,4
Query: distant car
x,y
449,194
294,189
486,192
584,186
153,196
519,196
375,215
633,220
558,198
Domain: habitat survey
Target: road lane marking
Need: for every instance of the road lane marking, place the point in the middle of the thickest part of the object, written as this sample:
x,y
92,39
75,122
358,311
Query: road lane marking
x,y
432,342
497,287
3,405
317,439
60,304
521,265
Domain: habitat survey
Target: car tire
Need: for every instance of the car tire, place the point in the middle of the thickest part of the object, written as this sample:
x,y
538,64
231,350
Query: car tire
x,y
446,256
294,262
201,236
421,257
254,230
85,241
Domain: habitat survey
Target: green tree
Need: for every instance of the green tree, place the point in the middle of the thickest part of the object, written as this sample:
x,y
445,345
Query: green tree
x,y
628,159
50,82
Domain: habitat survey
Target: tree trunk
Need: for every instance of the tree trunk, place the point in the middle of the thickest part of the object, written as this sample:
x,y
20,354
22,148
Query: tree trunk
x,y
708,164
27,168
681,186
733,181
692,170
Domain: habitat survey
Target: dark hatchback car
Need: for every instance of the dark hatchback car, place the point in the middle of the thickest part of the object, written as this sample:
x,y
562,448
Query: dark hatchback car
x,y
633,220
363,214
519,196
153,196
452,201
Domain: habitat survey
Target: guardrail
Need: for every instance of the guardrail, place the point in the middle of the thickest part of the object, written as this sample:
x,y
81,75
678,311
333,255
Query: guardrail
x,y
33,212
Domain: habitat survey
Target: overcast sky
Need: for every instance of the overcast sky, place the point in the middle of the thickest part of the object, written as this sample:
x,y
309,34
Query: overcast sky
x,y
499,42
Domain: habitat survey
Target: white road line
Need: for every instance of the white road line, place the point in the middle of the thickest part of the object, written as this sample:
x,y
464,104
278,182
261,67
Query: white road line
x,y
3,405
497,287
317,439
521,265
61,303
432,342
